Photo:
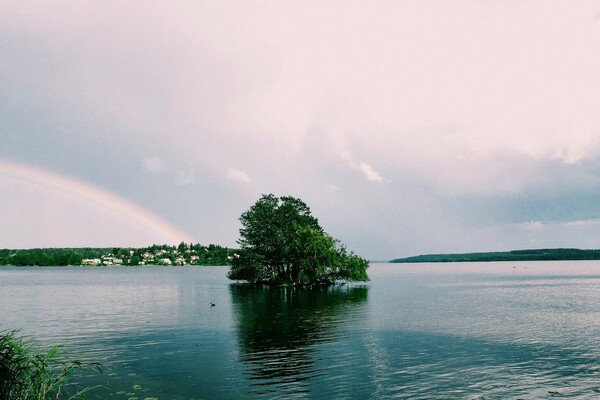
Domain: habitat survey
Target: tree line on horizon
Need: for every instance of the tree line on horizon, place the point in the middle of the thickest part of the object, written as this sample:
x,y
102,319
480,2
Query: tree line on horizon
x,y
190,254
514,255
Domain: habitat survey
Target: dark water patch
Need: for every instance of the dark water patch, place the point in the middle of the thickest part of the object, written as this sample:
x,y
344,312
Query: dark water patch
x,y
171,363
425,365
281,331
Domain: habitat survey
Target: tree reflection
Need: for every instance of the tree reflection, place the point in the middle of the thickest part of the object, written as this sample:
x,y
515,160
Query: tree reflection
x,y
279,329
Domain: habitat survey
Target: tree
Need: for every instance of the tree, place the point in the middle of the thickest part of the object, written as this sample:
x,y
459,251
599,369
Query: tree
x,y
182,247
282,243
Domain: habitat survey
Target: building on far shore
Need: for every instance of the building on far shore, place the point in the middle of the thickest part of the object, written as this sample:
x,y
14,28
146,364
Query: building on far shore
x,y
91,261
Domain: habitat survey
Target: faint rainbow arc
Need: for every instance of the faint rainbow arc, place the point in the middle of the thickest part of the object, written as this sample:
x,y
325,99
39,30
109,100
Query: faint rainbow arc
x,y
40,178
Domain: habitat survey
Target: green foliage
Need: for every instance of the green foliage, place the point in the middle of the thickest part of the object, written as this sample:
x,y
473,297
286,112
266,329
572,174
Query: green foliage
x,y
188,254
514,255
282,243
135,260
58,256
28,373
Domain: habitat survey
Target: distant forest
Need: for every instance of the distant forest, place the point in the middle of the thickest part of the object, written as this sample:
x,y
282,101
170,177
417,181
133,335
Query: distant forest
x,y
515,255
183,254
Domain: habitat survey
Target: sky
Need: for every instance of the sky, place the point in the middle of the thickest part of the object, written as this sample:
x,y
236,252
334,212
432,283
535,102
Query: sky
x,y
408,127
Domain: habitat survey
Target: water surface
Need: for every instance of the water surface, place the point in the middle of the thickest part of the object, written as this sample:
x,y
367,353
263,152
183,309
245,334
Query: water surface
x,y
422,331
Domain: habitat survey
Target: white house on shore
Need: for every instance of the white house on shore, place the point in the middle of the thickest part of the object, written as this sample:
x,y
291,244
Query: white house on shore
x,y
91,261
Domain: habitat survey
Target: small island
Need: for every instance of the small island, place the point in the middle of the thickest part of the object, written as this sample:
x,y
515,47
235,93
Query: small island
x,y
282,244
514,255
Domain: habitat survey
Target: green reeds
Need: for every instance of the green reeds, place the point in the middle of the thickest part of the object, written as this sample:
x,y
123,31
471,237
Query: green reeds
x,y
30,373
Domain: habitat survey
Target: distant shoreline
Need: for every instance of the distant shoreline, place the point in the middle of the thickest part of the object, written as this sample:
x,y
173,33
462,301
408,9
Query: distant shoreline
x,y
155,255
513,255
114,266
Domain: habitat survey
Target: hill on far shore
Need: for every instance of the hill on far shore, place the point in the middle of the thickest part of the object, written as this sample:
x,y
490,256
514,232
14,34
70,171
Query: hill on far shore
x,y
514,255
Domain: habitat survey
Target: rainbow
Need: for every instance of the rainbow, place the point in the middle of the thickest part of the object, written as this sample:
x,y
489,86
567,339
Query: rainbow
x,y
66,186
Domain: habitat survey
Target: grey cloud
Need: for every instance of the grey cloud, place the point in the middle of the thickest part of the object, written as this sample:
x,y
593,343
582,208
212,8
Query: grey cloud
x,y
154,165
460,153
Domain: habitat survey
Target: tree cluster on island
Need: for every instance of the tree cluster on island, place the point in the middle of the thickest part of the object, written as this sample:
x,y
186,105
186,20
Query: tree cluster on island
x,y
183,254
283,244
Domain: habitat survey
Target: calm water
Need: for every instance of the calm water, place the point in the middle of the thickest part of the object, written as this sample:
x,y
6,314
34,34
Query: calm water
x,y
419,331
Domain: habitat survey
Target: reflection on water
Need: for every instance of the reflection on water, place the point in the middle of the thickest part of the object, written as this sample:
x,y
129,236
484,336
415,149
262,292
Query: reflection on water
x,y
493,330
279,330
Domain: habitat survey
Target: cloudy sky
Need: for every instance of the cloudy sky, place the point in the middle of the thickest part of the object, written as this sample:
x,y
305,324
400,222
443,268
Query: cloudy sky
x,y
408,127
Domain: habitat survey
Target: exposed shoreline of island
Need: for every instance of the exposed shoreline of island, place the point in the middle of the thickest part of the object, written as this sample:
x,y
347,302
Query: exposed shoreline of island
x,y
560,254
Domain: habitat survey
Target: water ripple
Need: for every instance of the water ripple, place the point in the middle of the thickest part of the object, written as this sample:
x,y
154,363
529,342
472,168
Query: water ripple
x,y
417,332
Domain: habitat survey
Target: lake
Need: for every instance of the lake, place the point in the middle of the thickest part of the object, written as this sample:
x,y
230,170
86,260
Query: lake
x,y
418,331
